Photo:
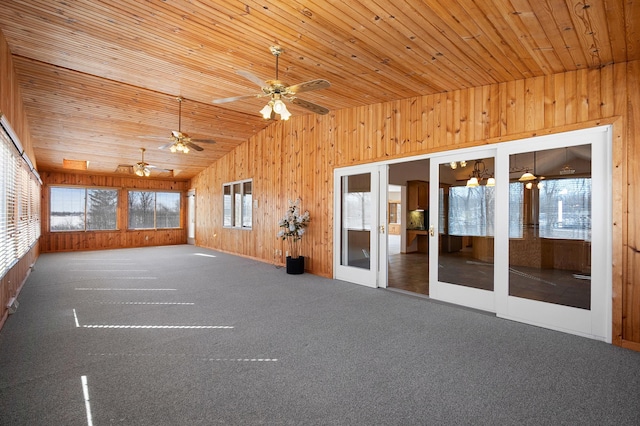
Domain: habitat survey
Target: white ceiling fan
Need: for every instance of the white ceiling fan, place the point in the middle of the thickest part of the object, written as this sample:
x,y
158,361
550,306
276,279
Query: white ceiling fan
x,y
280,92
142,168
180,141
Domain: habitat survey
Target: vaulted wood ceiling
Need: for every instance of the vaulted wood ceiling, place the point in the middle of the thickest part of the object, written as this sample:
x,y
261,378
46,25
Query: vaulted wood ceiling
x,y
99,76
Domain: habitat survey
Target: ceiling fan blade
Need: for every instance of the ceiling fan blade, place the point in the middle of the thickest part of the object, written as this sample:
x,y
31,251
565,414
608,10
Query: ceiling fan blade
x,y
194,146
234,98
203,140
310,106
160,169
167,145
151,137
249,76
308,86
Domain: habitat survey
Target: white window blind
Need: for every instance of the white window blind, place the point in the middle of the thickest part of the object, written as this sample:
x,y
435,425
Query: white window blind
x,y
19,200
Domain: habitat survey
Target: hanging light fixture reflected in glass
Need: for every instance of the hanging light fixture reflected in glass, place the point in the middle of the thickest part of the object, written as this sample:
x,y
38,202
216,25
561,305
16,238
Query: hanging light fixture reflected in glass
x,y
478,174
473,182
527,176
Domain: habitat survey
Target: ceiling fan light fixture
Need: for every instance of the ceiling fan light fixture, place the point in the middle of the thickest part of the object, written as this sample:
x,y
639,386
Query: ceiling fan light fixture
x,y
266,111
279,107
185,149
285,114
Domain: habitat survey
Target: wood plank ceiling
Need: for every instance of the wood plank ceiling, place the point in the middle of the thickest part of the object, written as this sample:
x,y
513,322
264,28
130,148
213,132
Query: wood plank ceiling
x,y
98,76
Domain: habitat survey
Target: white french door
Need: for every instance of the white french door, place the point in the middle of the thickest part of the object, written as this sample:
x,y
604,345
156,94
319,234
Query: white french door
x,y
558,272
534,245
461,225
360,243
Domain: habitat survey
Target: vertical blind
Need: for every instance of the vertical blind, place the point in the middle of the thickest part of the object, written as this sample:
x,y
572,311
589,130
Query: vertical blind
x,y
19,202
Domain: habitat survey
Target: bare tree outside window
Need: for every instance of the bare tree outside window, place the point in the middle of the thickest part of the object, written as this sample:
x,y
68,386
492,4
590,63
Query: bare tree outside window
x,y
152,210
167,210
141,209
102,205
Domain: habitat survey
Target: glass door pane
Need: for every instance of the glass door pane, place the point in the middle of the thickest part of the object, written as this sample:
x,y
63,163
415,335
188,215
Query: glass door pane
x,y
466,223
550,226
356,221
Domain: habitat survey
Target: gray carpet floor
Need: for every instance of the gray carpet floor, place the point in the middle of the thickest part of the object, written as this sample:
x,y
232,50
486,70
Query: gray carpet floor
x,y
182,335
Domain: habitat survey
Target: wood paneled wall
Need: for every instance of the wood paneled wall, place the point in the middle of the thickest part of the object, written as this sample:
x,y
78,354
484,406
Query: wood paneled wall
x,y
297,158
11,104
121,238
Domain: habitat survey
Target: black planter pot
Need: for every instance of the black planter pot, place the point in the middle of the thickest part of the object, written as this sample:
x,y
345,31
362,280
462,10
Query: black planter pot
x,y
295,265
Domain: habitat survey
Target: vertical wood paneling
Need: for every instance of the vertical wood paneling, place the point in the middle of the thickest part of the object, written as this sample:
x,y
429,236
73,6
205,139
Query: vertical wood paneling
x,y
620,217
569,99
582,96
494,111
631,291
304,151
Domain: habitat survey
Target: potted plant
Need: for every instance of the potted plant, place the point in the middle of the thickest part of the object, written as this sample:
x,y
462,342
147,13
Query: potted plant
x,y
292,227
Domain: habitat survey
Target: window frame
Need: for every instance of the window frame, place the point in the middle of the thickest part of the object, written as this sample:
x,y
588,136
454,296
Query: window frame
x,y
155,209
235,205
86,190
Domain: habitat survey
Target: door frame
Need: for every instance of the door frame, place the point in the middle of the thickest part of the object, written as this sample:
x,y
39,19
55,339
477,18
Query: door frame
x,y
191,216
601,320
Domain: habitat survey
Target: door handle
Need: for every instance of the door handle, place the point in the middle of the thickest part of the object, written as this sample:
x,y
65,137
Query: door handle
x,y
381,229
431,231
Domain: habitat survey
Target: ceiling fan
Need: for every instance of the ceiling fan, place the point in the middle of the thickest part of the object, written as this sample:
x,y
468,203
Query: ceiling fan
x,y
279,91
180,141
142,168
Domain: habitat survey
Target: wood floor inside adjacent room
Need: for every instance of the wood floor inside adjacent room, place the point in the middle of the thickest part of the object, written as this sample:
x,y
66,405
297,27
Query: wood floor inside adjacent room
x,y
410,272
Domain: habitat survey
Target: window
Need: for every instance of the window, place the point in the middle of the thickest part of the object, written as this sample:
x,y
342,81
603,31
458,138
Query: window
x,y
565,209
237,203
153,210
82,209
471,210
516,208
19,201
394,209
356,203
